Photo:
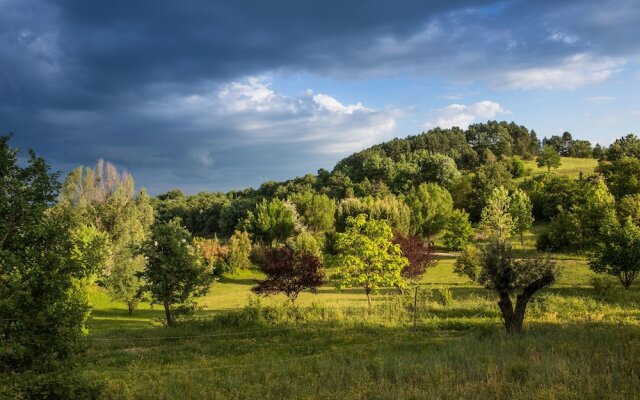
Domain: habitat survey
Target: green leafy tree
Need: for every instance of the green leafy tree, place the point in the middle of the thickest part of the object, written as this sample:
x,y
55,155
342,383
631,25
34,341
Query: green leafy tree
x,y
484,181
517,167
496,220
626,146
495,267
273,221
239,251
438,168
458,231
305,242
431,206
622,175
520,208
107,199
618,253
317,211
549,158
367,257
629,207
43,305
175,272
389,208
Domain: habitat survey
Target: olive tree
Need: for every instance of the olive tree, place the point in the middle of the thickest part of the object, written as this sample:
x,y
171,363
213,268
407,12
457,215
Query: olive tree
x,y
495,267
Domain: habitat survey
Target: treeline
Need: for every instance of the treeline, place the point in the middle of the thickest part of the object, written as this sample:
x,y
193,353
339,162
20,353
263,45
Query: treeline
x,y
469,164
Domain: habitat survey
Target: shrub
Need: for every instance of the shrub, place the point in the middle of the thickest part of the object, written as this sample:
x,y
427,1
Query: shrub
x,y
444,296
602,286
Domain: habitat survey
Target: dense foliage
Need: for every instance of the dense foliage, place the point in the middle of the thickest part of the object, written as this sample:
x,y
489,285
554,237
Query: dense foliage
x,y
106,200
367,257
290,272
43,303
618,253
174,273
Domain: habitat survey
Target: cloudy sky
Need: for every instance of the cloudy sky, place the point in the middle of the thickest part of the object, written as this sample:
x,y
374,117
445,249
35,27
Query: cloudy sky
x,y
225,94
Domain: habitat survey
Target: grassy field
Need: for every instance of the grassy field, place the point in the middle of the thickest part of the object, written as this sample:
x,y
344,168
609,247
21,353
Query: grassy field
x,y
569,166
577,344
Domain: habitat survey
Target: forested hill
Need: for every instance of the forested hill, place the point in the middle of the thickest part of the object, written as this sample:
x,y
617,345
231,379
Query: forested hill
x,y
467,164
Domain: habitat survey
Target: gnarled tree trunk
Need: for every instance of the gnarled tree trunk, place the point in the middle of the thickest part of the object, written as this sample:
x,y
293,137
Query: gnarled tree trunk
x,y
514,316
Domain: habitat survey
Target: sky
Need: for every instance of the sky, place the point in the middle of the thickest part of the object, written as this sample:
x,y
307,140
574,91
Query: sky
x,y
219,95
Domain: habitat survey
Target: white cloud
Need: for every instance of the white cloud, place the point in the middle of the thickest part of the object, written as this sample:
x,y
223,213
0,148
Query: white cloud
x,y
330,104
252,95
462,116
575,71
250,112
563,37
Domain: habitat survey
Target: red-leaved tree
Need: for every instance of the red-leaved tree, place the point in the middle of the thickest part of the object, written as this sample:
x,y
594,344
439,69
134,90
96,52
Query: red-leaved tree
x,y
419,254
289,272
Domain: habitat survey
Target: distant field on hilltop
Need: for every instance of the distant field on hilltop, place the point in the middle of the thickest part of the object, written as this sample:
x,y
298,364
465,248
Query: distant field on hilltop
x,y
571,167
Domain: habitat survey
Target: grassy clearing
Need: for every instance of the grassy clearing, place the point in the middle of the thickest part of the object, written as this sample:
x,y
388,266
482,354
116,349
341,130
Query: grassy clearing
x,y
571,167
576,345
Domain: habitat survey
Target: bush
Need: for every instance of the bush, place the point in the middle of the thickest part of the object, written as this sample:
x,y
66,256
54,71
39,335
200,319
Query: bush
x,y
62,384
602,286
444,296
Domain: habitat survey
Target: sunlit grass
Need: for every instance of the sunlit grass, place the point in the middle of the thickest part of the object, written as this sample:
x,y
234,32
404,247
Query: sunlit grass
x,y
571,167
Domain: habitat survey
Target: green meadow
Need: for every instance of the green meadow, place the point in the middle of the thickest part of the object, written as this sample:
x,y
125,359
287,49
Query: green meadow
x,y
571,167
578,343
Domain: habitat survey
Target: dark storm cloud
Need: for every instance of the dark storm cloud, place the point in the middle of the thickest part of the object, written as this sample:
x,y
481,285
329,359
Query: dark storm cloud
x,y
81,80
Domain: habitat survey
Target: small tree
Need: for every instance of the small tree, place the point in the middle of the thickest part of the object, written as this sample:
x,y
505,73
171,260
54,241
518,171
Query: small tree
x,y
495,268
496,220
290,272
174,272
419,255
517,167
549,158
458,231
367,257
124,283
618,253
213,253
520,208
239,251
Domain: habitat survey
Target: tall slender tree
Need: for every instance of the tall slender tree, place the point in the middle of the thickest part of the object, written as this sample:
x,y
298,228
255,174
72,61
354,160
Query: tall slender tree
x,y
107,200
